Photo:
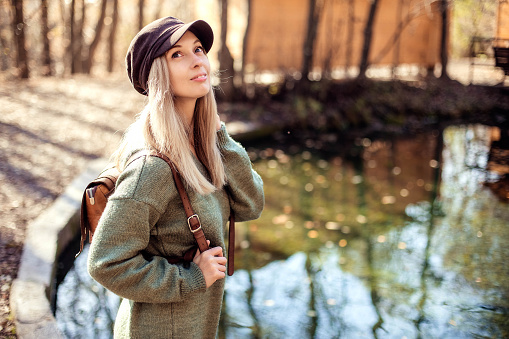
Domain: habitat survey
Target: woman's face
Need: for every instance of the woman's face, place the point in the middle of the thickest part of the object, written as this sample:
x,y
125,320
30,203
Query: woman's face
x,y
189,68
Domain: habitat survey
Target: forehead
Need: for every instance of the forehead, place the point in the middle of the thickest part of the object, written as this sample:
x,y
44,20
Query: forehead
x,y
187,38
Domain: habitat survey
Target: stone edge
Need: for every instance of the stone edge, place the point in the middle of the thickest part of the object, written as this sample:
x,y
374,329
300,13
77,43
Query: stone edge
x,y
46,237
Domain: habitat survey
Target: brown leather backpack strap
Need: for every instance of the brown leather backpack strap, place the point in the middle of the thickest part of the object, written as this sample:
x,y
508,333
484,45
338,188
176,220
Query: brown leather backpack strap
x,y
83,223
193,221
231,244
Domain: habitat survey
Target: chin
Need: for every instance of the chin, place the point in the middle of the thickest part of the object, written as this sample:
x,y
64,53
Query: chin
x,y
204,93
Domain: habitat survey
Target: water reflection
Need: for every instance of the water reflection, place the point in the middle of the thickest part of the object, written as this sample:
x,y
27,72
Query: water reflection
x,y
392,239
84,308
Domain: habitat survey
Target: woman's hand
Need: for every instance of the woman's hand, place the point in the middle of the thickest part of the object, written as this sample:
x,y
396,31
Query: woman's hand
x,y
211,263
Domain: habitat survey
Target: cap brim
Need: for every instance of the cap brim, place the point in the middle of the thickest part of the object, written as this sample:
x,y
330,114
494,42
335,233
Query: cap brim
x,y
200,28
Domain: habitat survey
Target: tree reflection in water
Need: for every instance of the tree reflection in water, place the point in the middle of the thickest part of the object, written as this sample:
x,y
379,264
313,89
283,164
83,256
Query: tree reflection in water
x,y
392,238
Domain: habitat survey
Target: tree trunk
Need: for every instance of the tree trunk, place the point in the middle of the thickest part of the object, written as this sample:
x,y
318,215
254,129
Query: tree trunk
x,y
81,38
111,39
72,36
368,34
46,55
141,4
315,10
444,55
349,35
76,40
397,45
395,40
332,45
97,37
5,42
245,42
225,58
19,37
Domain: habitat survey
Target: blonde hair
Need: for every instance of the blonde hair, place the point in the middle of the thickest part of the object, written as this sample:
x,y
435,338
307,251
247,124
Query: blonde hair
x,y
159,126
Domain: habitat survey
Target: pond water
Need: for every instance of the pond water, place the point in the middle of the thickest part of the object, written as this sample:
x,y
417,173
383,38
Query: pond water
x,y
380,238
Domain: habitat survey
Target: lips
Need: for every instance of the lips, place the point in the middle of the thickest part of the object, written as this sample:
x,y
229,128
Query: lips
x,y
202,76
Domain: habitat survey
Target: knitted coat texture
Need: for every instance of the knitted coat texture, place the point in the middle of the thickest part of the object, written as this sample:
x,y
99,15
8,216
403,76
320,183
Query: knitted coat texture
x,y
144,222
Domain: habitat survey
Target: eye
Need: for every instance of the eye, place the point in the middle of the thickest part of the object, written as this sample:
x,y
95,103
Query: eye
x,y
199,49
176,55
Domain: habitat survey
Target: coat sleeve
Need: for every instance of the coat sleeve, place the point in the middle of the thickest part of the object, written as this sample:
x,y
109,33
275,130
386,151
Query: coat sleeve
x,y
116,257
244,185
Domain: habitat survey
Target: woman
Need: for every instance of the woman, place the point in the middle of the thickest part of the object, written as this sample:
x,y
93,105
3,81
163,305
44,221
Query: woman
x,y
144,222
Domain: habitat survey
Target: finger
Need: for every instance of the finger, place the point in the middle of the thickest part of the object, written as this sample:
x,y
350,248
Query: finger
x,y
221,268
221,260
215,251
197,253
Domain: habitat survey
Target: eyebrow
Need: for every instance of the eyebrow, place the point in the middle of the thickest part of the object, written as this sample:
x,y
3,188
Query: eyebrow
x,y
179,46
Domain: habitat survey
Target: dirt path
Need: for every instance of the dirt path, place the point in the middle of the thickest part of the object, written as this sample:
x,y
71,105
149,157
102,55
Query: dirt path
x,y
49,129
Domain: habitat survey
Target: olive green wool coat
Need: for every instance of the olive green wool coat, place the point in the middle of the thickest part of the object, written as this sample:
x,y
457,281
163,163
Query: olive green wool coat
x,y
144,222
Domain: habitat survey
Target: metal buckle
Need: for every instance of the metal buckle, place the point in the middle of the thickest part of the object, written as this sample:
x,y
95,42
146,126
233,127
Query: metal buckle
x,y
189,223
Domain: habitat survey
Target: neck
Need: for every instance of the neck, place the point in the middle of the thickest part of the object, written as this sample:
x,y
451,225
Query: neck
x,y
186,108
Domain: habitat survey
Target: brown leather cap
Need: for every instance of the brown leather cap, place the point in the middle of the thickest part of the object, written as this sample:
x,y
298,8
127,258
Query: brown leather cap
x,y
154,40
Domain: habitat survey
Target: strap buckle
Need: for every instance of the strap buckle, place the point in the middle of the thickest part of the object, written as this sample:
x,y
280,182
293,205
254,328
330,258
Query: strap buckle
x,y
189,223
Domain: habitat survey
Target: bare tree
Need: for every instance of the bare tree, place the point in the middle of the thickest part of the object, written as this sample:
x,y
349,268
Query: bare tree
x,y
141,5
5,41
349,35
368,34
19,36
444,55
88,62
397,45
46,56
111,38
315,11
225,57
246,41
71,52
76,37
331,45
395,39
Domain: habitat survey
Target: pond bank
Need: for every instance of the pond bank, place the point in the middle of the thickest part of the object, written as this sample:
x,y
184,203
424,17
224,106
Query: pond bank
x,y
362,107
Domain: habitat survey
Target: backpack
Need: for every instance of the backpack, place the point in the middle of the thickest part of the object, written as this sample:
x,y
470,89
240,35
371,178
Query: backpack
x,y
97,192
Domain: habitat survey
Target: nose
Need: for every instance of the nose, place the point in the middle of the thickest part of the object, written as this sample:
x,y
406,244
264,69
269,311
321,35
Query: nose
x,y
197,61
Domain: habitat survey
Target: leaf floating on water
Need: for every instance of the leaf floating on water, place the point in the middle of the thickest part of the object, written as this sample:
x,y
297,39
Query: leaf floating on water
x,y
280,219
313,234
269,303
331,225
361,219
356,179
388,200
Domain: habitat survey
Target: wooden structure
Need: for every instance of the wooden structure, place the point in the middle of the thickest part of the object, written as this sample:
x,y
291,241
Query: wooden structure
x,y
405,32
501,42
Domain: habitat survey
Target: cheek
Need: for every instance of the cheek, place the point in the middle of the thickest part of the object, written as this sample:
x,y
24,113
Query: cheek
x,y
206,64
175,74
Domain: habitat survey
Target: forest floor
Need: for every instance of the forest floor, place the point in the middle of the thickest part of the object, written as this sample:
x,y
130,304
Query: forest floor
x,y
49,129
